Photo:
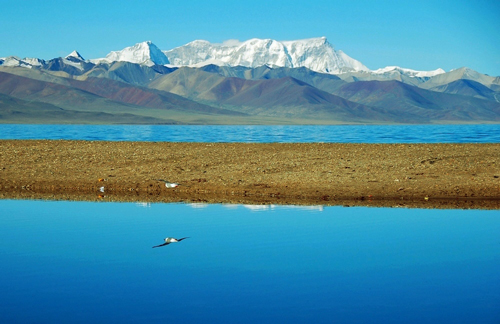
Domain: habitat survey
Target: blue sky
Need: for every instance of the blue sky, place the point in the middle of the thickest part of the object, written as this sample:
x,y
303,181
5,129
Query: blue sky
x,y
421,35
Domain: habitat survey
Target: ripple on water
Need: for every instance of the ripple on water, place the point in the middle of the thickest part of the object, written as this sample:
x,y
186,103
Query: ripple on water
x,y
260,134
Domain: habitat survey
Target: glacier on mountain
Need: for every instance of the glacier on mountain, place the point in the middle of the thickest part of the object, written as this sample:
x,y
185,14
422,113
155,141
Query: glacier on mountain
x,y
408,72
74,56
145,53
75,59
316,54
25,62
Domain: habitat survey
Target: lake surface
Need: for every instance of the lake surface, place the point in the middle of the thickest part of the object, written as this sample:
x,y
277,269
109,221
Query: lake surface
x,y
84,262
260,134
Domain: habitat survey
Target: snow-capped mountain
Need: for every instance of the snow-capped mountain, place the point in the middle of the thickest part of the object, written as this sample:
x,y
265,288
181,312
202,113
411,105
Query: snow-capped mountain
x,y
409,72
145,53
25,62
258,78
74,56
75,60
316,54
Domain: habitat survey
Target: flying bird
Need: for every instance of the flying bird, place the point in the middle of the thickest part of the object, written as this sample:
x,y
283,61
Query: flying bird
x,y
169,240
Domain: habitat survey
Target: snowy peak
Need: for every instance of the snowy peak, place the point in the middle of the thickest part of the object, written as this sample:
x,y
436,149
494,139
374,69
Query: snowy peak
x,y
409,72
319,55
25,62
258,52
316,54
75,56
145,53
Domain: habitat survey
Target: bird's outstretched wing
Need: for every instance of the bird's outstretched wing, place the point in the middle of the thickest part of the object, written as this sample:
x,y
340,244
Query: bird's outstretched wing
x,y
178,240
160,245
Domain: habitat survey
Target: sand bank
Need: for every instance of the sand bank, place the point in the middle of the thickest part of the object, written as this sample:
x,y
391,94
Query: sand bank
x,y
416,175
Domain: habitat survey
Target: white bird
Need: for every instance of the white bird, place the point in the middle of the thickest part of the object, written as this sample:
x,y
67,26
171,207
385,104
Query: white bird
x,y
169,240
169,184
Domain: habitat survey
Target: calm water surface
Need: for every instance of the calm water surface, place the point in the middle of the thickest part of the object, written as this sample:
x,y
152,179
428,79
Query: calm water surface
x,y
259,134
84,262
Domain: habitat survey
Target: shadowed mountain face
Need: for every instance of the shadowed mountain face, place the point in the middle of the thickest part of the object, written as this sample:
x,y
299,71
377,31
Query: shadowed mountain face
x,y
322,81
223,94
131,73
127,72
10,106
212,86
418,105
462,74
15,110
187,82
280,97
48,92
69,66
468,88
144,97
96,91
96,100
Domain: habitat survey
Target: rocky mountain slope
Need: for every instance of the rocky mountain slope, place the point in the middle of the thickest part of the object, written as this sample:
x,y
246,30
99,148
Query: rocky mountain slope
x,y
257,81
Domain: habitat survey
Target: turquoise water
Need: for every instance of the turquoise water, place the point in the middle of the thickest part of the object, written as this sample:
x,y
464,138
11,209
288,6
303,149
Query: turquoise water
x,y
259,134
84,262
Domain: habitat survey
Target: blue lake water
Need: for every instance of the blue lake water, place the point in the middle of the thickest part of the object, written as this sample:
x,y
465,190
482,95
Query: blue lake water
x,y
83,262
276,134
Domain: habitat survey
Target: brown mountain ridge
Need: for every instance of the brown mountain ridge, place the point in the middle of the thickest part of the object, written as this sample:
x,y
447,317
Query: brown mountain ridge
x,y
226,95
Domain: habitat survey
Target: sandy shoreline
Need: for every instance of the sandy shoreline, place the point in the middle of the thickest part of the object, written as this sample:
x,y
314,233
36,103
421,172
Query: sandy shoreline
x,y
415,175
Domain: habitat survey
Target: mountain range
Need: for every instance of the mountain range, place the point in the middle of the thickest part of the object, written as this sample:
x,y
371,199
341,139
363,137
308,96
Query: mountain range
x,y
259,81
